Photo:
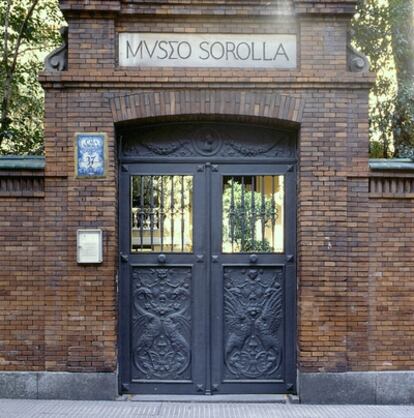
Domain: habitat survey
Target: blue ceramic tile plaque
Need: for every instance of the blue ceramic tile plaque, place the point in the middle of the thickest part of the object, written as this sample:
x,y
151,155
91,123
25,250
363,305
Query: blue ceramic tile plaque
x,y
90,155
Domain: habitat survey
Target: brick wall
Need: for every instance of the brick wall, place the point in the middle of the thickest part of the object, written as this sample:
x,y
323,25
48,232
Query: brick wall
x,y
22,279
355,286
390,275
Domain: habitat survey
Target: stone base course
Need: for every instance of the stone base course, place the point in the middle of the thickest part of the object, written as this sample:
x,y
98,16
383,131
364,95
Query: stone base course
x,y
369,388
58,385
396,388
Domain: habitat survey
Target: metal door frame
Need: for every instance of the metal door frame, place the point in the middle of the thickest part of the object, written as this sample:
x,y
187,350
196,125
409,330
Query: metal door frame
x,y
289,166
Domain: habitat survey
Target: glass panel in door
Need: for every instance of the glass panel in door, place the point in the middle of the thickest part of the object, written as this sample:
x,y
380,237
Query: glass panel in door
x,y
253,215
162,213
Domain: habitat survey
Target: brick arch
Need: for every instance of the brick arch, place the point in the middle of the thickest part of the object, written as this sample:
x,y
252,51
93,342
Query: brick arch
x,y
207,102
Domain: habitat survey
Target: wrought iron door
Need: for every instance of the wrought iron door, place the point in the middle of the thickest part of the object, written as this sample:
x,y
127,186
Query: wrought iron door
x,y
207,264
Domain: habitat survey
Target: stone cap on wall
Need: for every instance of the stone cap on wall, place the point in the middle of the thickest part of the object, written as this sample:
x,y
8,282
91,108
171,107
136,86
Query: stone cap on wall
x,y
22,162
393,164
22,176
391,178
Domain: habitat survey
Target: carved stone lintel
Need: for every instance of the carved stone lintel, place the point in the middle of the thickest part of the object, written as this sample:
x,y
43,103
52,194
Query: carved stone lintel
x,y
57,60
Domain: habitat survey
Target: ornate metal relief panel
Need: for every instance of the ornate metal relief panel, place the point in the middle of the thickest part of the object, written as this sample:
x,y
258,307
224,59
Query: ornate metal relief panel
x,y
207,140
253,314
161,323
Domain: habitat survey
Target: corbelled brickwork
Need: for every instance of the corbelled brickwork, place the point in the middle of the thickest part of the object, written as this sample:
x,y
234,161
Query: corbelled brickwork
x,y
355,234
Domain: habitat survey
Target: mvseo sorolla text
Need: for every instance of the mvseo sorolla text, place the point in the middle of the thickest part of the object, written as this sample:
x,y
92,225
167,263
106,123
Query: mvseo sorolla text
x,y
196,50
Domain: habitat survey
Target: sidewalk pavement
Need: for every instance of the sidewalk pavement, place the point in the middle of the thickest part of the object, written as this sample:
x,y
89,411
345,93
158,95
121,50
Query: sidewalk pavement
x,y
12,408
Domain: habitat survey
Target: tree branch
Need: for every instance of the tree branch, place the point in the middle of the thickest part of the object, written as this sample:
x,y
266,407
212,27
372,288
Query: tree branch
x,y
6,36
5,105
20,36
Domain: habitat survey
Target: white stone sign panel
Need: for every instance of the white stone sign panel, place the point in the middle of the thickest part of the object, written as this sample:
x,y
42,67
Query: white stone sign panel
x,y
207,50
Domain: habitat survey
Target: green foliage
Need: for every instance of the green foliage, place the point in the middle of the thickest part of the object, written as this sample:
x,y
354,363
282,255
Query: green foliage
x,y
242,210
403,120
402,26
383,30
372,36
377,149
28,30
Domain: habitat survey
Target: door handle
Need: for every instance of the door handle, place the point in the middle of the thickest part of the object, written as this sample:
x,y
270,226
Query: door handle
x,y
214,258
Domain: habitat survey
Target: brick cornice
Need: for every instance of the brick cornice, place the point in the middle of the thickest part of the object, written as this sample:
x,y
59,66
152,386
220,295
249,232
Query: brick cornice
x,y
216,8
206,79
95,5
325,7
207,102
189,7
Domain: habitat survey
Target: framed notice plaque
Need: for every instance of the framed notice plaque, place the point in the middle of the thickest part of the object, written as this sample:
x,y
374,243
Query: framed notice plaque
x,y
90,155
89,246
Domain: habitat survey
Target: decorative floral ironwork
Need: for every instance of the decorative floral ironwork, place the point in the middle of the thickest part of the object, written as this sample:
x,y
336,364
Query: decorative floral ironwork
x,y
253,312
161,322
251,150
202,140
162,148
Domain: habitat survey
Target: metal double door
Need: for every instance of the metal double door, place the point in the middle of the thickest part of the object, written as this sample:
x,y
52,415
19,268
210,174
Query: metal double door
x,y
207,289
